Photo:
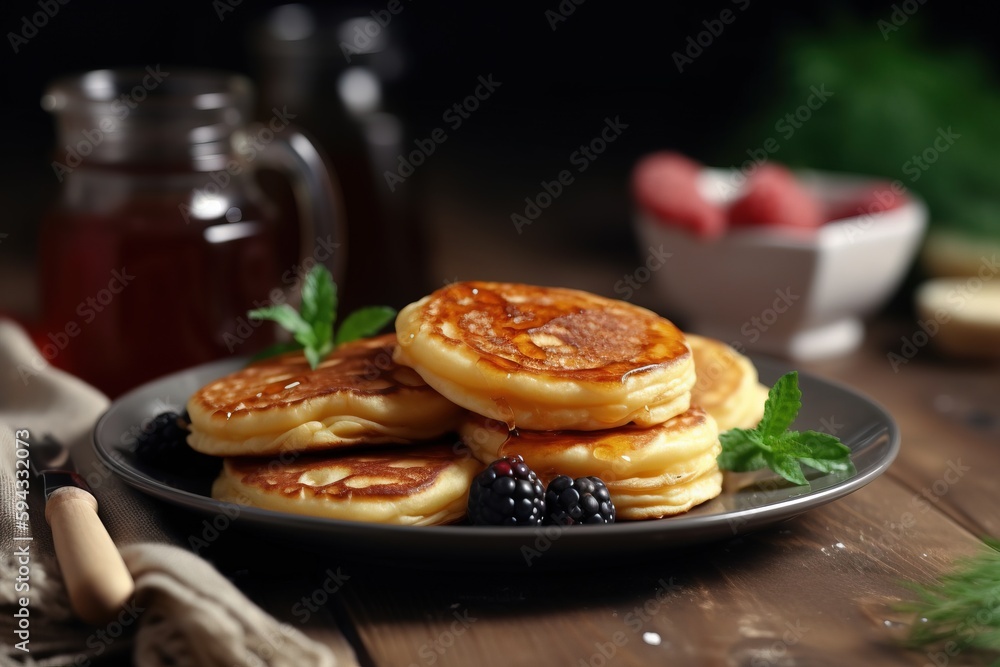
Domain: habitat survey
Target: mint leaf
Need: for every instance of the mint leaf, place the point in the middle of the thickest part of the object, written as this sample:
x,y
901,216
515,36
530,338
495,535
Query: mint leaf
x,y
773,446
319,306
788,444
821,445
741,450
829,465
786,466
312,325
364,322
783,403
284,315
313,356
276,349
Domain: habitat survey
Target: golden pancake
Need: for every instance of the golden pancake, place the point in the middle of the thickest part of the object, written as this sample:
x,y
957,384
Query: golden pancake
x,y
547,358
357,395
726,386
667,468
668,500
412,486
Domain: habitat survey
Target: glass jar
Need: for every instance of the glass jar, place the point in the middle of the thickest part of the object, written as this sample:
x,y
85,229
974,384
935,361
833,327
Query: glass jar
x,y
161,241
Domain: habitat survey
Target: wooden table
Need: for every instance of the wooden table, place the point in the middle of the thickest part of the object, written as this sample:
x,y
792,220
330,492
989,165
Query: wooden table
x,y
816,590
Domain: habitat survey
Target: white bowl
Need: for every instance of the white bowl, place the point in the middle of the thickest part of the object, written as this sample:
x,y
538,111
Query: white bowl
x,y
794,293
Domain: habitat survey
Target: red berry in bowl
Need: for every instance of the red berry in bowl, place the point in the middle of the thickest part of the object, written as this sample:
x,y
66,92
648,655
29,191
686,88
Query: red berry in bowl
x,y
877,198
666,185
773,196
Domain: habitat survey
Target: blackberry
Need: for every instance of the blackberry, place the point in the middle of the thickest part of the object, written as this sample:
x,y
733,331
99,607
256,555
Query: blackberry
x,y
584,500
163,443
507,493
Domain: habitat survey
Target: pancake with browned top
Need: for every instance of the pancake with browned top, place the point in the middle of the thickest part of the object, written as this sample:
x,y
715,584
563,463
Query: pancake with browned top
x,y
727,385
651,472
546,357
414,486
357,395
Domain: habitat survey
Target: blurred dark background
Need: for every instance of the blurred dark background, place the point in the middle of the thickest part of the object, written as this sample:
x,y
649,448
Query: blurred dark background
x,y
605,60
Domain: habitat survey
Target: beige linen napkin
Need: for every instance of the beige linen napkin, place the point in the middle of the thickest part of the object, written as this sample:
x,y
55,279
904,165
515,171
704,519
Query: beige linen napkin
x,y
184,612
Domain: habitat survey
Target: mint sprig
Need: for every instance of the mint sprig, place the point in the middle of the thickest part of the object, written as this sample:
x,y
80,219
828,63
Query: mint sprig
x,y
312,326
772,445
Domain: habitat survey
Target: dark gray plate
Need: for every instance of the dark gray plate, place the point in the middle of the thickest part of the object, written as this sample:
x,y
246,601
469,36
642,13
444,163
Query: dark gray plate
x,y
748,501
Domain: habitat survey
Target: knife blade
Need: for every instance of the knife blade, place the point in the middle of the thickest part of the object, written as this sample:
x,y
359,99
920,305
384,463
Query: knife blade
x,y
97,581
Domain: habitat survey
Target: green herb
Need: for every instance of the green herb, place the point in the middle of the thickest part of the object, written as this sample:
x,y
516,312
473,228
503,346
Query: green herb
x,y
312,326
952,103
961,609
772,445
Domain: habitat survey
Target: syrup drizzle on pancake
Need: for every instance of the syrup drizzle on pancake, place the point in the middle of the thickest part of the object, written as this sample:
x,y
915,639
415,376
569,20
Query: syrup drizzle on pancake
x,y
384,474
558,332
616,447
363,368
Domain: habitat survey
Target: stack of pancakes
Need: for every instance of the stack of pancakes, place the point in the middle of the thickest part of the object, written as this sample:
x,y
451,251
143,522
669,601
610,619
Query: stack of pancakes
x,y
575,383
329,442
579,385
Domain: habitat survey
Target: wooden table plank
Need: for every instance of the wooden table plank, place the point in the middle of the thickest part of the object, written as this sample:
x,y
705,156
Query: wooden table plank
x,y
812,588
949,416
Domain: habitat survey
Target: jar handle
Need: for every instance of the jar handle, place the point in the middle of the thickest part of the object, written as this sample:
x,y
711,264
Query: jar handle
x,y
314,184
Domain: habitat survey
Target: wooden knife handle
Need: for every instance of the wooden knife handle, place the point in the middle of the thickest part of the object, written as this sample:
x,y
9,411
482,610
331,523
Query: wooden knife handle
x,y
97,581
